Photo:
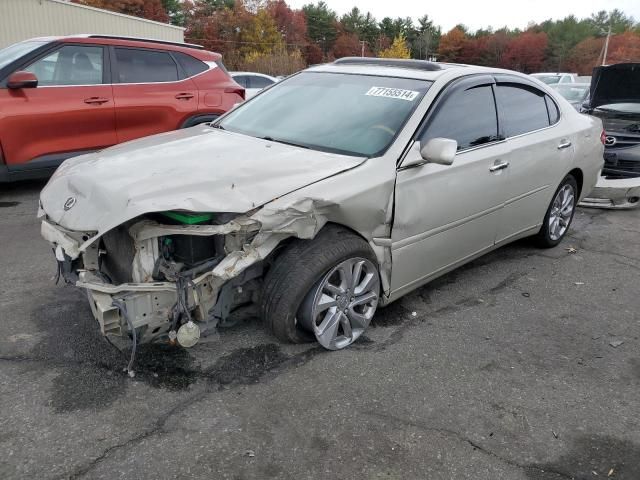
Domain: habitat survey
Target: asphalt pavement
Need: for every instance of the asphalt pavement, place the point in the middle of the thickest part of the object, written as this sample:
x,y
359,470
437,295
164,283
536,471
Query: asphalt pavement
x,y
524,364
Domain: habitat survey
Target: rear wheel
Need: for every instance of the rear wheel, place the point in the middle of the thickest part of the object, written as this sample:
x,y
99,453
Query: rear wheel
x,y
326,288
559,214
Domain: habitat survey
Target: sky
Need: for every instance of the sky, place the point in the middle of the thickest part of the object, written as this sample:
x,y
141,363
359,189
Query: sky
x,y
477,14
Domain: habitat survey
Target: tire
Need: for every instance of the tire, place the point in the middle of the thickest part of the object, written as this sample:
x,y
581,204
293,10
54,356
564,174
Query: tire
x,y
547,237
296,274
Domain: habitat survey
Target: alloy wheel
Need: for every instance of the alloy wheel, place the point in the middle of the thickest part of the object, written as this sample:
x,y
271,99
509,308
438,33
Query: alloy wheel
x,y
561,212
341,306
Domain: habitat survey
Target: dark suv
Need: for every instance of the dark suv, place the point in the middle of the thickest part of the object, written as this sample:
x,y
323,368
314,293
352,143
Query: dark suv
x,y
66,96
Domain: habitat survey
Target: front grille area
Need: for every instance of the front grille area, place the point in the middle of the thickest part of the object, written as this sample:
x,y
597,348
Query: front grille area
x,y
622,140
619,168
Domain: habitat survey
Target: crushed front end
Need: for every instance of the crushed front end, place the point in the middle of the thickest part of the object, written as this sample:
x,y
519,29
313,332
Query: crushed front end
x,y
160,272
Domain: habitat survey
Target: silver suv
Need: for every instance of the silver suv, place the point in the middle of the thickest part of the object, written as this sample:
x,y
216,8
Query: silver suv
x,y
333,193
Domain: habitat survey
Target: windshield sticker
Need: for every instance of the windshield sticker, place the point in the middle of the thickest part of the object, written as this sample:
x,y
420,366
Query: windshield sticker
x,y
398,93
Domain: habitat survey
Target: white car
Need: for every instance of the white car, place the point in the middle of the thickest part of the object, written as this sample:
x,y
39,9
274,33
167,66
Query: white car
x,y
253,82
555,78
337,190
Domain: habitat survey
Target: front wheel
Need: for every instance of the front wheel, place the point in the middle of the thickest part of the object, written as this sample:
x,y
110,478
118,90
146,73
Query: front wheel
x,y
326,288
559,214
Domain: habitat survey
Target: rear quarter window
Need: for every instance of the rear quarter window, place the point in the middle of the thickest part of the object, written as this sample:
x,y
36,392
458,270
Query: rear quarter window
x,y
552,108
191,66
522,109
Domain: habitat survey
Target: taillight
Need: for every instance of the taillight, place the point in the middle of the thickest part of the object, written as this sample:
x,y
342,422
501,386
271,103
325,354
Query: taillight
x,y
236,90
603,137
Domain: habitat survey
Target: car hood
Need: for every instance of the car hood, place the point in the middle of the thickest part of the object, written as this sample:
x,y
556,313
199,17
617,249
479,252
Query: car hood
x,y
200,169
615,84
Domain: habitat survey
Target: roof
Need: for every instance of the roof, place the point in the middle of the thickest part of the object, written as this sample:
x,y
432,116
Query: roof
x,y
385,70
391,62
197,51
446,72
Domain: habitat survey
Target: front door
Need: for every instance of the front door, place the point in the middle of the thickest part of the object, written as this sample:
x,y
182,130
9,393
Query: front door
x,y
446,214
70,111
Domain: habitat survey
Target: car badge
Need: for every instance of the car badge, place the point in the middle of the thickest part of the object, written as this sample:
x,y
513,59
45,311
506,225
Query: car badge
x,y
71,201
610,141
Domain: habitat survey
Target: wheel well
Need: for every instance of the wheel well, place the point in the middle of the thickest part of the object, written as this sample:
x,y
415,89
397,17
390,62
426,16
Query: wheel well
x,y
577,174
198,119
286,242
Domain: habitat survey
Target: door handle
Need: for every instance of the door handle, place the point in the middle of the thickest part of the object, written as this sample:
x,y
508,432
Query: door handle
x,y
184,96
564,144
96,100
498,166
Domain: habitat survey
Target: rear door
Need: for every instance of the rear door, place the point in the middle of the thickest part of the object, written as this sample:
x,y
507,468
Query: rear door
x,y
70,112
541,152
151,92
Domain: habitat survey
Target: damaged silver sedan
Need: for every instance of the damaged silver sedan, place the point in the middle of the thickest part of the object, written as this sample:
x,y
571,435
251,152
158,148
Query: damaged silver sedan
x,y
331,194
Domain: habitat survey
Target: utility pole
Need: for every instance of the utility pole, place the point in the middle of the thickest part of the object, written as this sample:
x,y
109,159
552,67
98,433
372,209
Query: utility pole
x,y
362,42
606,47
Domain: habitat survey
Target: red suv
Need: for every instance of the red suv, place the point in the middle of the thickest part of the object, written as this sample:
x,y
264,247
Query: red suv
x,y
62,97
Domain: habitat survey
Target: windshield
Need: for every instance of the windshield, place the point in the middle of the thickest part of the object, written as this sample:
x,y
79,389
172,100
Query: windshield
x,y
356,115
17,50
549,79
572,92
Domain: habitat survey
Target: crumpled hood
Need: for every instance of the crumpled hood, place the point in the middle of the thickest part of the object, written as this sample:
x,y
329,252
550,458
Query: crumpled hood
x,y
200,169
615,84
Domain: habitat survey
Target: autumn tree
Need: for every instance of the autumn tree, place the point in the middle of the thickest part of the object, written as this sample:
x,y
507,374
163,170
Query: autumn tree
x,y
149,9
398,49
624,48
291,23
347,45
260,35
585,55
525,52
451,45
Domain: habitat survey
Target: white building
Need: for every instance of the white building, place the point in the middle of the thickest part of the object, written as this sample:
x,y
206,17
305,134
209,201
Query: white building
x,y
23,19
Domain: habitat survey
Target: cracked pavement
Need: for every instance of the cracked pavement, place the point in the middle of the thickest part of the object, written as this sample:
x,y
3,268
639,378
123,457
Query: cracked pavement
x,y
502,369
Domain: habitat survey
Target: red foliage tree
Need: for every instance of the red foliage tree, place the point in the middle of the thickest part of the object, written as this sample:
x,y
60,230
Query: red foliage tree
x,y
149,9
588,53
525,52
624,48
347,45
291,23
585,55
313,54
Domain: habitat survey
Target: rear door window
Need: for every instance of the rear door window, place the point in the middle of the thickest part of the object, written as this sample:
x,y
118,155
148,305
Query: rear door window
x,y
70,65
144,66
522,109
468,116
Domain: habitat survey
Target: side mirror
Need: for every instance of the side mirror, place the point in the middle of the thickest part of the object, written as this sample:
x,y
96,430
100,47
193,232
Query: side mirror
x,y
22,80
439,150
